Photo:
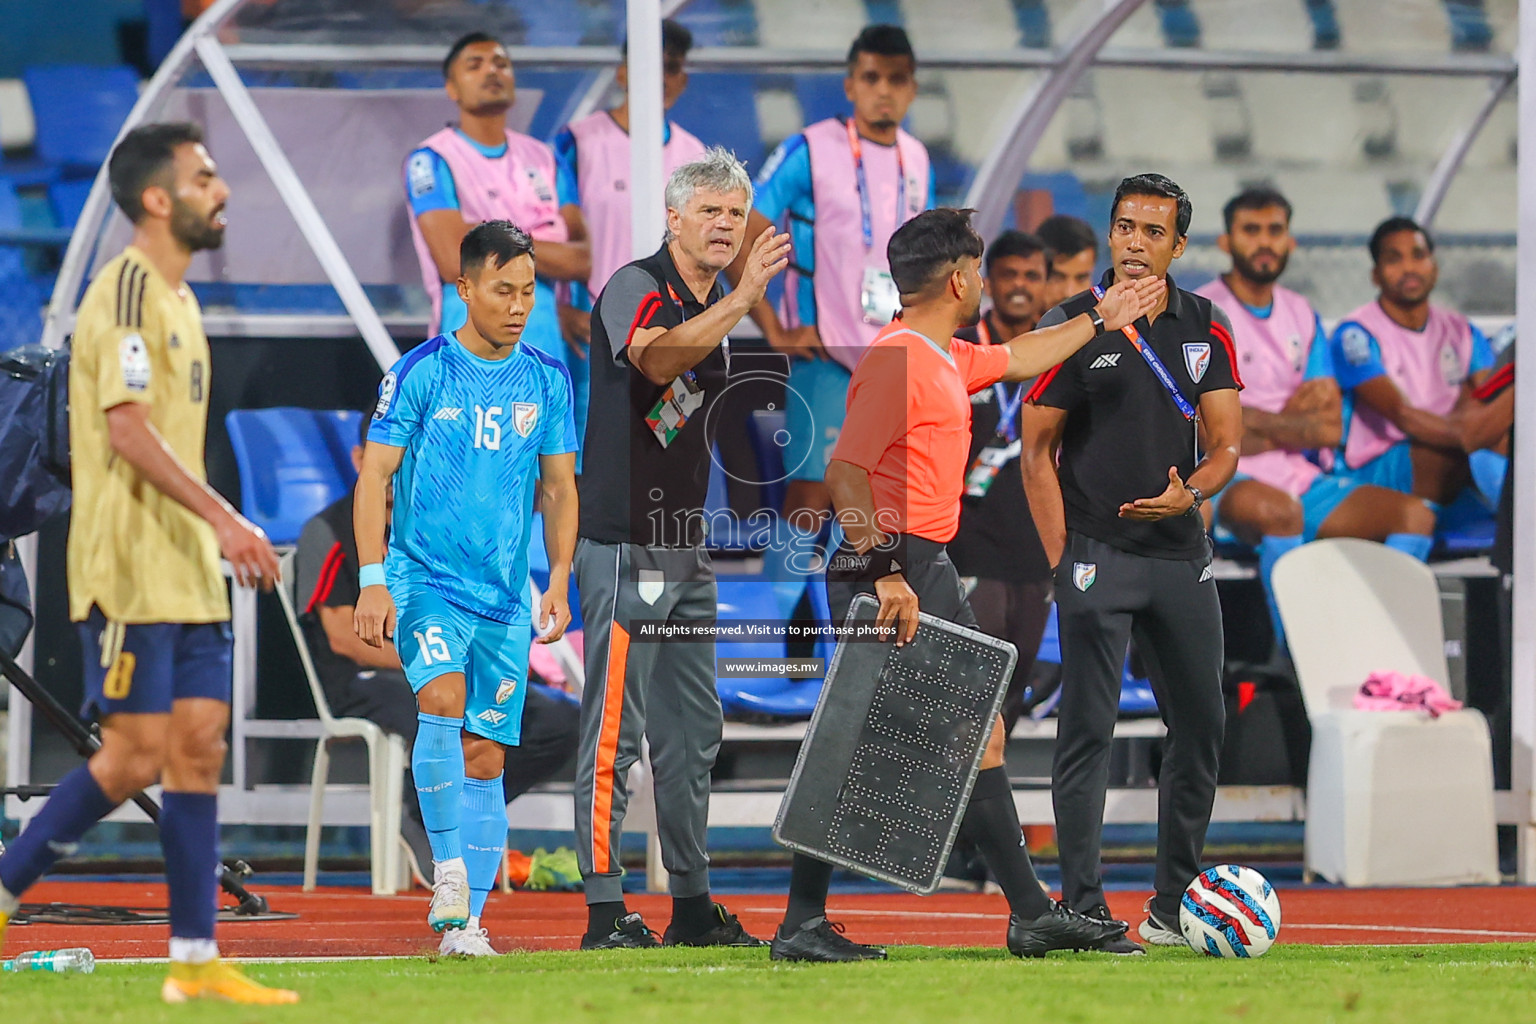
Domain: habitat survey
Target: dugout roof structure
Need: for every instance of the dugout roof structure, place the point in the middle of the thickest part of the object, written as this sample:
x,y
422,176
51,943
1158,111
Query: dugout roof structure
x,y
1356,108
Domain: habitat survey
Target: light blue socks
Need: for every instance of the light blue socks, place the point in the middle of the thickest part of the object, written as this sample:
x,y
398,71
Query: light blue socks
x,y
1270,551
437,764
1415,544
485,836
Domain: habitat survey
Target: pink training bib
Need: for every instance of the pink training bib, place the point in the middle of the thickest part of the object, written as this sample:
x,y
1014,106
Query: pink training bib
x,y
1427,366
518,186
602,179
1272,355
842,259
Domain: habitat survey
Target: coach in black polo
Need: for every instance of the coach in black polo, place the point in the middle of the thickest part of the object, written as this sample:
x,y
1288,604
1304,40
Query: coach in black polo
x,y
660,356
1121,524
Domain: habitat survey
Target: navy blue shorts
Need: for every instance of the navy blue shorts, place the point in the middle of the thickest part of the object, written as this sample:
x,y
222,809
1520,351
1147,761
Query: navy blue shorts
x,y
142,669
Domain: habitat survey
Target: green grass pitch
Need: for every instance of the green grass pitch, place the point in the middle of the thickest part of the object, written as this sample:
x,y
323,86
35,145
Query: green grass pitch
x,y
1460,983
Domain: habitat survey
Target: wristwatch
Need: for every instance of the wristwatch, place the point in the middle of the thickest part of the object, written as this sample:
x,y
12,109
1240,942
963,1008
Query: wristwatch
x,y
1098,321
1199,497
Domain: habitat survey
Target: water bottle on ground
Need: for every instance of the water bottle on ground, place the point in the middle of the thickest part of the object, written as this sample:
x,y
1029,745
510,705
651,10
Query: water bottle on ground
x,y
58,961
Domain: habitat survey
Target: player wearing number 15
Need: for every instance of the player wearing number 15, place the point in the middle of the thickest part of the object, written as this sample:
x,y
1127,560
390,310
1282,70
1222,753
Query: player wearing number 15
x,y
464,424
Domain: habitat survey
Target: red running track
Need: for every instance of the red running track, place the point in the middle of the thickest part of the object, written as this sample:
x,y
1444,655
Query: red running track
x,y
347,922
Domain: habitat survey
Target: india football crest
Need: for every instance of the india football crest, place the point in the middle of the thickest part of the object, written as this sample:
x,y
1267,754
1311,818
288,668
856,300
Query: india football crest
x,y
505,690
525,415
1083,575
1197,359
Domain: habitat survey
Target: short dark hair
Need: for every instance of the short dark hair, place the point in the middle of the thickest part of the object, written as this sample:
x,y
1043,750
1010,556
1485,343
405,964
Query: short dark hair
x,y
1065,235
1261,197
143,155
927,244
676,40
884,40
1012,243
500,241
1391,226
1159,185
469,39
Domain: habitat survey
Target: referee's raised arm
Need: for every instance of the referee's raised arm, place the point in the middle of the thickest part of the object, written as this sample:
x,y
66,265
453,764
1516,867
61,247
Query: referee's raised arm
x,y
1030,355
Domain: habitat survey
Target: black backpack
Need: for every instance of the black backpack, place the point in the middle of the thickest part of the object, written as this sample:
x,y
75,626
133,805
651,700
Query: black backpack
x,y
34,438
34,469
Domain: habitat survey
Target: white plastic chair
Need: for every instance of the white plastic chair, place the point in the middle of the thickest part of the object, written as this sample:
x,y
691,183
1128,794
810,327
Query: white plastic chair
x,y
386,769
1395,797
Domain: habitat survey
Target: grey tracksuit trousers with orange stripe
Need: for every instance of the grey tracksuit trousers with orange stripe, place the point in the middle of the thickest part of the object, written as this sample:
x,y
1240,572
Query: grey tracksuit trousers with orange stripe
x,y
661,690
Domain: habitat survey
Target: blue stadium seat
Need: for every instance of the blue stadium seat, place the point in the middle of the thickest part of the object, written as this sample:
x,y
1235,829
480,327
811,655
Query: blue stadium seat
x,y
762,427
562,91
67,198
821,96
721,109
11,264
774,697
291,464
21,297
79,110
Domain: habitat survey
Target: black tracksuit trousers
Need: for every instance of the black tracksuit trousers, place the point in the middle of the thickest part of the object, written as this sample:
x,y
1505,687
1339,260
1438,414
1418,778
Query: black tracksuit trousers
x,y
1104,596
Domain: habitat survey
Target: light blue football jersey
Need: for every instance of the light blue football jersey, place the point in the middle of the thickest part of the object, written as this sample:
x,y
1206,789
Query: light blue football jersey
x,y
473,430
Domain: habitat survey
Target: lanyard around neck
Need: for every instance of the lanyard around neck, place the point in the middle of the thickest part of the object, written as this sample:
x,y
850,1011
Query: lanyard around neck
x,y
865,217
1158,369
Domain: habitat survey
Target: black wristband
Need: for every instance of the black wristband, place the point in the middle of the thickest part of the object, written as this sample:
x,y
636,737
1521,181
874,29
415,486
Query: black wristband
x,y
1098,321
848,566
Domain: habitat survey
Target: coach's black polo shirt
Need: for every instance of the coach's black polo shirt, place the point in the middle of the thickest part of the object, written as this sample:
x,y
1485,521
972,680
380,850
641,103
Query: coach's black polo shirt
x,y
1124,429
633,490
997,539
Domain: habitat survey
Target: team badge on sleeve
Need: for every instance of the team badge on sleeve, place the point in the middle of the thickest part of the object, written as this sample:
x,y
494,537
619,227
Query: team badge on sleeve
x,y
420,174
525,415
1083,575
1356,344
1197,359
386,395
133,358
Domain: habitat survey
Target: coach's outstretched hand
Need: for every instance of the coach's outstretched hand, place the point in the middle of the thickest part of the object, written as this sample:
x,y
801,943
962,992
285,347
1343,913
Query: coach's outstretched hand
x,y
245,546
374,617
898,607
768,256
1174,501
1128,301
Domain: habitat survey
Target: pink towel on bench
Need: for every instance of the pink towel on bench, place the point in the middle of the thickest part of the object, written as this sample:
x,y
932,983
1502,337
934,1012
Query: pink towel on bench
x,y
1394,691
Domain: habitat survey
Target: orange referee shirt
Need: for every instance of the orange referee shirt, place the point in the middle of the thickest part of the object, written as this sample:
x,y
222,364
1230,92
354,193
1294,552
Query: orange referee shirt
x,y
909,426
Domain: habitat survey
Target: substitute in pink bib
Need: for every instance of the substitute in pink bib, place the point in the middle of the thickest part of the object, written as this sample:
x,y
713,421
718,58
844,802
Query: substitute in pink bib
x,y
594,153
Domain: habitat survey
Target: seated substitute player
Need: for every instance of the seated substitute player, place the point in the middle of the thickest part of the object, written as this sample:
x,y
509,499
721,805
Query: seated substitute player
x,y
464,424
899,466
367,682
1280,497
143,560
1408,369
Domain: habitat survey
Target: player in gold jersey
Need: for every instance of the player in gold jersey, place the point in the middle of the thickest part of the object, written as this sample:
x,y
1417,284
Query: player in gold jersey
x,y
144,545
